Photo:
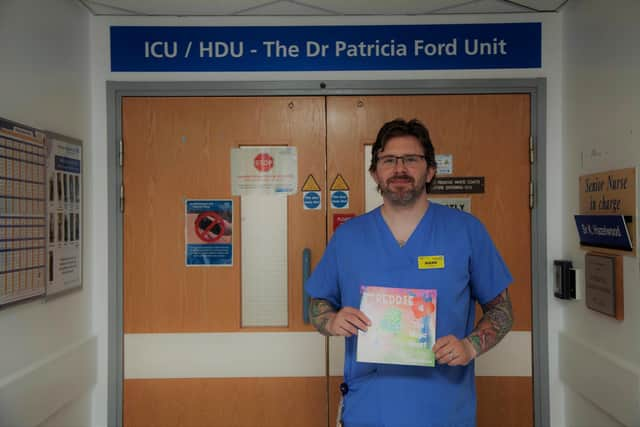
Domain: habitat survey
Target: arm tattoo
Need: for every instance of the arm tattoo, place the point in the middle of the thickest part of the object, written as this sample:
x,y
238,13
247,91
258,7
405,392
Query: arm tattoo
x,y
319,312
494,325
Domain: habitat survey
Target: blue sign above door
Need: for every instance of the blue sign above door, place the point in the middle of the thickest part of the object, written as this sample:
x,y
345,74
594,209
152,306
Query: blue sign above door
x,y
326,48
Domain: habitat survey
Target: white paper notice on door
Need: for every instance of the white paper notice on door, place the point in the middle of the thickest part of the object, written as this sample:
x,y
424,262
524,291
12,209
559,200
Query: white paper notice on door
x,y
264,271
264,171
445,164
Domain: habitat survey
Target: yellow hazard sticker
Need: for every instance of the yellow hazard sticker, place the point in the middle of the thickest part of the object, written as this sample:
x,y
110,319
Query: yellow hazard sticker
x,y
339,184
310,184
430,262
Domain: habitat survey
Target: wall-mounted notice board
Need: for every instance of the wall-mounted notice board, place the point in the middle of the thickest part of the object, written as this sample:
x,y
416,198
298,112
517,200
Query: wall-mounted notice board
x,y
64,214
22,212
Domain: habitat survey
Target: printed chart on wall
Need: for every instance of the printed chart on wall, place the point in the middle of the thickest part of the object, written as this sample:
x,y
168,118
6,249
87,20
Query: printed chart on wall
x,y
22,212
64,214
208,232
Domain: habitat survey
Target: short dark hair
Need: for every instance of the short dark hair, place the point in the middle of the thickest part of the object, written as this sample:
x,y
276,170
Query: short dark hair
x,y
401,127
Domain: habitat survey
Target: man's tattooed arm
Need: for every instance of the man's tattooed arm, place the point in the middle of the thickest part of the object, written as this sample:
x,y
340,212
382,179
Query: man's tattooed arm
x,y
320,311
494,325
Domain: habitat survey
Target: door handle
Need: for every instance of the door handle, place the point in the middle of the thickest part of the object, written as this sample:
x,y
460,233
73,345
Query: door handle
x,y
306,272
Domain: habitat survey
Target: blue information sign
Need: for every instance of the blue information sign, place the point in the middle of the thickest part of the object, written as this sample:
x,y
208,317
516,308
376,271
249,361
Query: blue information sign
x,y
324,48
311,199
67,164
604,231
339,199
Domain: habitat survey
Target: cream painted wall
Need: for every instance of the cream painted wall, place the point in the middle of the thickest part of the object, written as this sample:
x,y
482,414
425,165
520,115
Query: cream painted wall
x,y
601,132
551,70
592,114
44,83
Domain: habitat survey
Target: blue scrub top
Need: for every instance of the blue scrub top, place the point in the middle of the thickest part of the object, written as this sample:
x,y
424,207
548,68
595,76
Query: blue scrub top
x,y
363,251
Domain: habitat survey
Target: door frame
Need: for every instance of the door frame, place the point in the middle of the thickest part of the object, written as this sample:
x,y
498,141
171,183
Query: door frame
x,y
535,87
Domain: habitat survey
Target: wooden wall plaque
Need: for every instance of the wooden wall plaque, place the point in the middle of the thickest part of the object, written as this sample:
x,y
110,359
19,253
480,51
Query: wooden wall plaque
x,y
607,193
604,284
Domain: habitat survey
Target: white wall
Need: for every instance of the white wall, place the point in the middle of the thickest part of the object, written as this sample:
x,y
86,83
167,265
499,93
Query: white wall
x,y
601,132
552,70
47,354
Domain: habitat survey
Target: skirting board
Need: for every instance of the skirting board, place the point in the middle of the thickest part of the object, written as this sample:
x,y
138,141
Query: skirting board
x,y
33,394
611,385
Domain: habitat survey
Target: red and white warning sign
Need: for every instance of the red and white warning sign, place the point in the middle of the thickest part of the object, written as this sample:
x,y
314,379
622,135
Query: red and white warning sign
x,y
210,226
263,162
264,170
339,219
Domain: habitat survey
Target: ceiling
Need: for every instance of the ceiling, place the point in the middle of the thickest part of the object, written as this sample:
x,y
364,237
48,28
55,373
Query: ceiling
x,y
315,7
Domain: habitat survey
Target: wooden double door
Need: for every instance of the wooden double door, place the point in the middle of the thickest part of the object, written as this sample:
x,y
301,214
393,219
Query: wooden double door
x,y
191,358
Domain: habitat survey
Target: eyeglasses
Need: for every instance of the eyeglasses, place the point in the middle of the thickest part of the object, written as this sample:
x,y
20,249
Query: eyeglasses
x,y
409,160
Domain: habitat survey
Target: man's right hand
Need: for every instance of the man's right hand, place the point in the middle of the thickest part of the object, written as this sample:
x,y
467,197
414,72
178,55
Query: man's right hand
x,y
347,321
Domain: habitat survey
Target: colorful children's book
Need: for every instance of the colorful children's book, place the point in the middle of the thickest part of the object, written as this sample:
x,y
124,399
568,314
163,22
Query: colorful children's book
x,y
403,326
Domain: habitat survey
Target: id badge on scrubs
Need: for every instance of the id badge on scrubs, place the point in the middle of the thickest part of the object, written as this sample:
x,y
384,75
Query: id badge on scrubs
x,y
430,262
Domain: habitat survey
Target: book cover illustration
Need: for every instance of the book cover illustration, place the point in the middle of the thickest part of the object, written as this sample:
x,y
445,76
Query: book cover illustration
x,y
403,326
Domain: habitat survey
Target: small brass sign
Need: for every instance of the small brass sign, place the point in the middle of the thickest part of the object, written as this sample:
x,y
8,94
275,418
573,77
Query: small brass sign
x,y
603,279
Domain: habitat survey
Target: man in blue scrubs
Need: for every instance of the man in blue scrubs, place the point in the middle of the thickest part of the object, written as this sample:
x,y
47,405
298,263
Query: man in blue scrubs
x,y
382,248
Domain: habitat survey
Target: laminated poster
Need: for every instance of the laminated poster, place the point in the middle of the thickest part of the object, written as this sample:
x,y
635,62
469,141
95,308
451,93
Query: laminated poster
x,y
209,232
403,329
264,171
64,215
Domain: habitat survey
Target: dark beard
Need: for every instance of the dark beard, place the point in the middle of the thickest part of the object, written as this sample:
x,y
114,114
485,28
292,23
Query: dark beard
x,y
400,198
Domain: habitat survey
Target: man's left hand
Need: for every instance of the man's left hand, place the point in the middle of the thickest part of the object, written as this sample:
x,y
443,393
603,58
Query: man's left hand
x,y
451,351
